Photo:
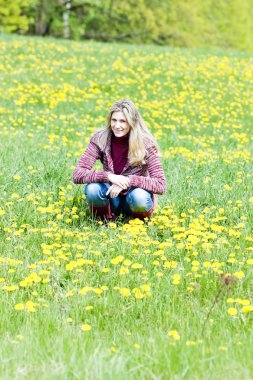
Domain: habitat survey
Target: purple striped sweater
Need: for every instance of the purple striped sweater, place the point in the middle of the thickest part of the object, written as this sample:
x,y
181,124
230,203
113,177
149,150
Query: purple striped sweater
x,y
149,176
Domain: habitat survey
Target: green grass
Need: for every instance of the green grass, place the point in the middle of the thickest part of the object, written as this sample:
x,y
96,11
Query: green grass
x,y
198,104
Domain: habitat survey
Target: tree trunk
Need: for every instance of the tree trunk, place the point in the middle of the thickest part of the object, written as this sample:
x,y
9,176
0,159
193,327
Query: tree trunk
x,y
40,20
66,31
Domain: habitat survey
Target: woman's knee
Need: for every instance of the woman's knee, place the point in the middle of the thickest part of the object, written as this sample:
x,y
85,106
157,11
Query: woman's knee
x,y
139,200
96,194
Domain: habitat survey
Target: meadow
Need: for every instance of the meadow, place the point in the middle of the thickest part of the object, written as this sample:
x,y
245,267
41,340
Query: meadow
x,y
167,299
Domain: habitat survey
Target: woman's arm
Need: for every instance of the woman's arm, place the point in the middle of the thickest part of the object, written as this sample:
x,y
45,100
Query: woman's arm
x,y
156,182
83,172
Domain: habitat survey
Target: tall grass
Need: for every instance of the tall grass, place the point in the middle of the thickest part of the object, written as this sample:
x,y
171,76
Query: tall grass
x,y
82,300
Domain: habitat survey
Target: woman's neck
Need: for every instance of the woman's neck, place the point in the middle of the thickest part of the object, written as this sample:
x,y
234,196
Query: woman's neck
x,y
121,140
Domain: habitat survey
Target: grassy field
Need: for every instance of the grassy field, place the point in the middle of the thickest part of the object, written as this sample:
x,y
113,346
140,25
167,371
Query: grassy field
x,y
170,299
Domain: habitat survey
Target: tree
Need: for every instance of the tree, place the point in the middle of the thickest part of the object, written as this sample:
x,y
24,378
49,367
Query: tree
x,y
13,16
185,23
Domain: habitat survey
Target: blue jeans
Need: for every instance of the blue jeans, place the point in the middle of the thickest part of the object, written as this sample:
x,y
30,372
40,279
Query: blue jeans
x,y
137,202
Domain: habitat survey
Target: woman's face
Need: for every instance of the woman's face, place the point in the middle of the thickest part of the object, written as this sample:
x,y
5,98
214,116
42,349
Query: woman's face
x,y
119,124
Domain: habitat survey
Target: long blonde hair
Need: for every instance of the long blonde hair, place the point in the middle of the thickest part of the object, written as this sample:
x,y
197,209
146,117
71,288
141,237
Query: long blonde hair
x,y
138,132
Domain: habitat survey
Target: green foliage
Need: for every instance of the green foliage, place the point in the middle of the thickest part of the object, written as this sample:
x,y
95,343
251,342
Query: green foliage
x,y
13,15
183,23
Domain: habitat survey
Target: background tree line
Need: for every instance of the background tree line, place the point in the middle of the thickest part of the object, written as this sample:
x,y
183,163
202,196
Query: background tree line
x,y
187,23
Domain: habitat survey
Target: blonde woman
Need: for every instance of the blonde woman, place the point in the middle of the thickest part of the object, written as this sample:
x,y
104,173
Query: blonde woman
x,y
132,172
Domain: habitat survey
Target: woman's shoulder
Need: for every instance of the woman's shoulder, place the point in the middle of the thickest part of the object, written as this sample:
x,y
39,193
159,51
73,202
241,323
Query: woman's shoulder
x,y
96,135
149,144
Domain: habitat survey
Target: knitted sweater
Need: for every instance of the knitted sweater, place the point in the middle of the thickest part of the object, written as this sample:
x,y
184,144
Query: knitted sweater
x,y
119,152
149,176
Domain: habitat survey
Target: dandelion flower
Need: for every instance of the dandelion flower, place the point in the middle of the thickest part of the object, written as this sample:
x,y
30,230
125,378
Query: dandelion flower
x,y
232,311
19,306
247,309
86,327
174,334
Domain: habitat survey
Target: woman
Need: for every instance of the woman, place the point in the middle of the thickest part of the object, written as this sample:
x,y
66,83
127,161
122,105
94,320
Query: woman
x,y
132,172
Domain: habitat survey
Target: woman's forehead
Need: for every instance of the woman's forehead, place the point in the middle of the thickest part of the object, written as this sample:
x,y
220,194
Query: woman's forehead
x,y
118,115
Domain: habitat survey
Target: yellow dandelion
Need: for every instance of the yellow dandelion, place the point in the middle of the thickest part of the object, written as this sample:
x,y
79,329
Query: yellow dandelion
x,y
10,288
247,309
123,270
232,311
239,275
137,266
89,307
174,334
125,292
117,260
245,302
86,327
19,306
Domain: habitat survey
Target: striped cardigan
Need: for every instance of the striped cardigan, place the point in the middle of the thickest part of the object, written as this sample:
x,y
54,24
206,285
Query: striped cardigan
x,y
149,176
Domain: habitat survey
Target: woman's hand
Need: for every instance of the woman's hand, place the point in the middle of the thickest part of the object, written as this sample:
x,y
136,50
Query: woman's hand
x,y
114,191
119,180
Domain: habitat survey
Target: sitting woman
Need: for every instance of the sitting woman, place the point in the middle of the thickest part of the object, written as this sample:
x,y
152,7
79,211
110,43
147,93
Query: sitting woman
x,y
132,172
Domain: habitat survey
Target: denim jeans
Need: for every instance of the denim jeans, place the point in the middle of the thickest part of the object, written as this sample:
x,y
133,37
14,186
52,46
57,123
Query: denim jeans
x,y
137,202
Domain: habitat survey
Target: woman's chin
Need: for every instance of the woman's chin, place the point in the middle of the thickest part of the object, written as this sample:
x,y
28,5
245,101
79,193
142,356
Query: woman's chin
x,y
119,134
